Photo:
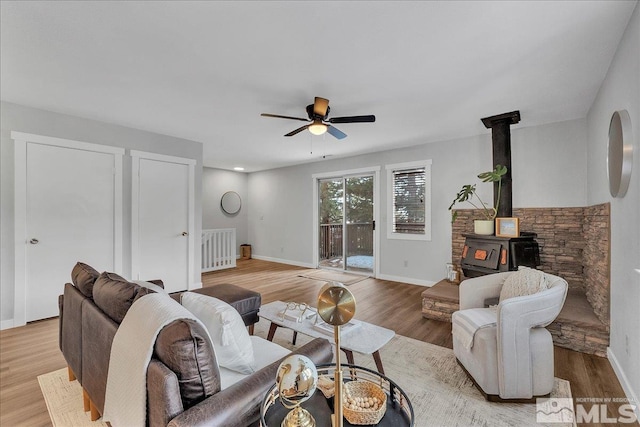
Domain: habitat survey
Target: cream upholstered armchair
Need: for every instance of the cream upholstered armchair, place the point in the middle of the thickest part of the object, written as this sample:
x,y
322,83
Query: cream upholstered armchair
x,y
506,348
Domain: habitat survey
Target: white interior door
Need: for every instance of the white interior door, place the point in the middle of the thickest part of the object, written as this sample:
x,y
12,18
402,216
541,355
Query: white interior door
x,y
162,240
70,208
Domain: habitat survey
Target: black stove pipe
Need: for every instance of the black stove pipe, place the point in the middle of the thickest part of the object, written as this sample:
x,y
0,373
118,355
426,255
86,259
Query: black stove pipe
x,y
501,141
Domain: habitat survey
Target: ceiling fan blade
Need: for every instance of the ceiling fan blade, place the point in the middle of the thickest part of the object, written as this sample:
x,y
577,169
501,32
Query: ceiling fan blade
x,y
353,119
278,116
320,106
297,131
336,132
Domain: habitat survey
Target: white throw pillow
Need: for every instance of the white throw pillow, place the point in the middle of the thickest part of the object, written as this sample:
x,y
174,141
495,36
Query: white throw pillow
x,y
525,281
228,333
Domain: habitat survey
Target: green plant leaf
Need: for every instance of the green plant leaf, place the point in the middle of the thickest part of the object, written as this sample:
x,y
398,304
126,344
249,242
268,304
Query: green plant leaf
x,y
495,175
468,191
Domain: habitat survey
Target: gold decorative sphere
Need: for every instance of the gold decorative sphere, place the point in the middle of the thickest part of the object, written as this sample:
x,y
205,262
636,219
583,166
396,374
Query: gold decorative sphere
x,y
336,304
297,379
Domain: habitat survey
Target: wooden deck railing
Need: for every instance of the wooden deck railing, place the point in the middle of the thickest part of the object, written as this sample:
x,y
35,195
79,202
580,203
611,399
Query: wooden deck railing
x,y
359,240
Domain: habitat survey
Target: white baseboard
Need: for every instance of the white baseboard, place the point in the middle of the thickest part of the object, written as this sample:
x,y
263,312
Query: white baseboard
x,y
410,280
196,285
632,396
6,324
283,261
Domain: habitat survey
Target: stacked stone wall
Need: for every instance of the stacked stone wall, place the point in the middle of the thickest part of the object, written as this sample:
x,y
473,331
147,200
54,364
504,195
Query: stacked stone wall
x,y
574,244
597,259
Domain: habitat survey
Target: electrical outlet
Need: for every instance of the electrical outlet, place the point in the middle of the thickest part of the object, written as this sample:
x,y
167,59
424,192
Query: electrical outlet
x,y
281,250
406,263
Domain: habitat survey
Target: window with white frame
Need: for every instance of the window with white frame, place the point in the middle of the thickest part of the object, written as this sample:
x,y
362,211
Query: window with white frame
x,y
409,200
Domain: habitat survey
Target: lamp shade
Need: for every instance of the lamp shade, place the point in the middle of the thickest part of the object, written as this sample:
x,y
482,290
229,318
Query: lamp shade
x,y
317,128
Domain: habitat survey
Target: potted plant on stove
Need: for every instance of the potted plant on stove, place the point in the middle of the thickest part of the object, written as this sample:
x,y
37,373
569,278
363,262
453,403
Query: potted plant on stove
x,y
468,193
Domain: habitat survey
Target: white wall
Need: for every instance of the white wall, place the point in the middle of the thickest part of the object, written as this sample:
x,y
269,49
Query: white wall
x,y
15,117
549,169
216,182
621,90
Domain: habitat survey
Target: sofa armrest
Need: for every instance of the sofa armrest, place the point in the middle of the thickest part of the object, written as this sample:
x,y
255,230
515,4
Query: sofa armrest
x,y
70,331
163,394
60,318
239,405
474,292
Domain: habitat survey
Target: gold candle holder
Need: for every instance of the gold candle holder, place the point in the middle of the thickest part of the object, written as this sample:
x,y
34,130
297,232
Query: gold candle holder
x,y
336,306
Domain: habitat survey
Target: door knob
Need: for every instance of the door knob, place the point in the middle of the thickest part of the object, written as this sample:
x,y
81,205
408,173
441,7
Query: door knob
x,y
33,241
184,233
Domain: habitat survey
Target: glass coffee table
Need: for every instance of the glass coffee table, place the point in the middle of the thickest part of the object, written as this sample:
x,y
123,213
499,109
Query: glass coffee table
x,y
399,411
365,338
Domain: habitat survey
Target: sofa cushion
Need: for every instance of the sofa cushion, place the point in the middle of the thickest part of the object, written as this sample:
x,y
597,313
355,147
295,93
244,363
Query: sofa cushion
x,y
183,345
525,281
265,352
83,277
228,333
114,295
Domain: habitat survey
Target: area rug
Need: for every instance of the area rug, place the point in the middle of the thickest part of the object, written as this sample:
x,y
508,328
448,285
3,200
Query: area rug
x,y
330,275
438,388
64,401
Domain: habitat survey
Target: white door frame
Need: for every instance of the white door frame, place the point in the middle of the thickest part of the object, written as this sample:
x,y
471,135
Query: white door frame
x,y
21,140
136,156
373,170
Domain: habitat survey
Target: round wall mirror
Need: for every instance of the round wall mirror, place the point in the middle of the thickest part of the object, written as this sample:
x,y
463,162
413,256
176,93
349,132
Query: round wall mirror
x,y
620,156
231,202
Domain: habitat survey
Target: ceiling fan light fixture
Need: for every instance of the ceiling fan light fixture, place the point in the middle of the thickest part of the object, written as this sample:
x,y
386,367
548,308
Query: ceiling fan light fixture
x,y
317,128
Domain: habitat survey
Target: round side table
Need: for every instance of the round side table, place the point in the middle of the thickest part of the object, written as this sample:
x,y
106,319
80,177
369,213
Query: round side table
x,y
399,411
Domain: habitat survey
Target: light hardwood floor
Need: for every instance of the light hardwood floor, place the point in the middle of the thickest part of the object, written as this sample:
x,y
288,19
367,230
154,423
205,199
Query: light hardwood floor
x,y
29,351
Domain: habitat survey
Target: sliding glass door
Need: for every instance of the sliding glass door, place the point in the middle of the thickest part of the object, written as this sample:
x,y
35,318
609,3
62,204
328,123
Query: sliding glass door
x,y
346,223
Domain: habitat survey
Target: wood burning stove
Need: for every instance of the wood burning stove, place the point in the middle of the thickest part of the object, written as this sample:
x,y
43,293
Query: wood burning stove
x,y
490,254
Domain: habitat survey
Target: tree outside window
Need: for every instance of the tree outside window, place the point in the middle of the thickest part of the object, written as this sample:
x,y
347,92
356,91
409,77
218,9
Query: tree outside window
x,y
409,206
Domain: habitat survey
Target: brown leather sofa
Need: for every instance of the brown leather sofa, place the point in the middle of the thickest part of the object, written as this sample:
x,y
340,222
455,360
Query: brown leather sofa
x,y
83,276
183,379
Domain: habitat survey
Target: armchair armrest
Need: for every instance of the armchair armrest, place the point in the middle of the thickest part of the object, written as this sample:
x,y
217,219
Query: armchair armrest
x,y
239,404
516,317
530,311
473,292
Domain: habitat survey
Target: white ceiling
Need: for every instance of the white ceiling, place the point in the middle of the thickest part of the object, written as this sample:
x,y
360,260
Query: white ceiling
x,y
206,70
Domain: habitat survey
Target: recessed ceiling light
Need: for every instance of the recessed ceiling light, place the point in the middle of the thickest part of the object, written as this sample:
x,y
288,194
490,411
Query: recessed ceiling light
x,y
238,168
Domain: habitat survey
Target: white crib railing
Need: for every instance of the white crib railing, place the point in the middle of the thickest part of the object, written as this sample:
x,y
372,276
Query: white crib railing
x,y
218,249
